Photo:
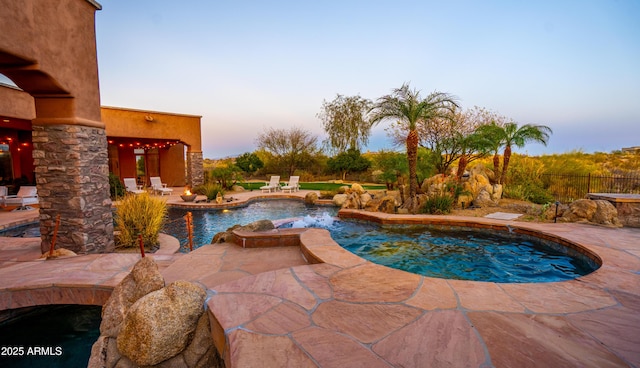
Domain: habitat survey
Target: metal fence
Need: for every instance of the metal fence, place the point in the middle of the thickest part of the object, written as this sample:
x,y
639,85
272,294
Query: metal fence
x,y
568,188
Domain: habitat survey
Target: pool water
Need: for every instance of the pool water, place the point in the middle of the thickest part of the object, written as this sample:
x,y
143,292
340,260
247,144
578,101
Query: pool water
x,y
460,254
51,336
207,223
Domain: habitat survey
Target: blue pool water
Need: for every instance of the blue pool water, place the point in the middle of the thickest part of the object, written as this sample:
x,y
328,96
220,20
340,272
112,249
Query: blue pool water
x,y
461,254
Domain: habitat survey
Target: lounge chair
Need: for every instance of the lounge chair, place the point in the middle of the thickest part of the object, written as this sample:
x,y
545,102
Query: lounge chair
x,y
273,184
159,187
292,185
26,196
132,187
3,194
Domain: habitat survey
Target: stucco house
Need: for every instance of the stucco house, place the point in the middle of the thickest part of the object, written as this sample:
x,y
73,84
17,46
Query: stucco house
x,y
54,133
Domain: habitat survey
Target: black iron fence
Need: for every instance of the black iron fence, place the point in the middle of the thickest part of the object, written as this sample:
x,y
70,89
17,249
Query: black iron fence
x,y
568,188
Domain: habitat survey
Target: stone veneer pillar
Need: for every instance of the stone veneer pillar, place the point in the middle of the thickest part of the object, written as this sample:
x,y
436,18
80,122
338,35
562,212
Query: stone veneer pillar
x,y
72,176
195,169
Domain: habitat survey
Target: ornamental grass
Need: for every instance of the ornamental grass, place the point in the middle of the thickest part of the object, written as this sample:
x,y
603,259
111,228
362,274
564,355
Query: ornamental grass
x,y
140,214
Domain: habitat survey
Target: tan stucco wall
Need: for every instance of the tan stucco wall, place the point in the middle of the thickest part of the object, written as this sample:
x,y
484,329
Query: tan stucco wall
x,y
16,104
121,122
53,57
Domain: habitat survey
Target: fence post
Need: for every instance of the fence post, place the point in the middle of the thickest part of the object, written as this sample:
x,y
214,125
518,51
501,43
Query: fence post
x,y
588,183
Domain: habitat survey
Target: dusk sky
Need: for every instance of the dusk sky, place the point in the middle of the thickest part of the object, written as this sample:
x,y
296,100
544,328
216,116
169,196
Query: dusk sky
x,y
248,65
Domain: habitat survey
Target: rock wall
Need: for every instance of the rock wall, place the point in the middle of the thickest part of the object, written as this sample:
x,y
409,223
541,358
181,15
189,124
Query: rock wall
x,y
147,324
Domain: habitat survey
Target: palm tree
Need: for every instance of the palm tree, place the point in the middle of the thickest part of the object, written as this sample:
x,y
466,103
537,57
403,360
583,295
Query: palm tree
x,y
407,106
519,136
493,137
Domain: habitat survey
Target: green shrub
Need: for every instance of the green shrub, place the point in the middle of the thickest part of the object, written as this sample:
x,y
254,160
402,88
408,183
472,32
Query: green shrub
x,y
210,190
140,214
528,192
438,205
116,189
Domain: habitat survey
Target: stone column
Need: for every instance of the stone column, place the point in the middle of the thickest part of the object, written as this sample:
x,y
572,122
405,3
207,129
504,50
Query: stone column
x,y
195,169
72,177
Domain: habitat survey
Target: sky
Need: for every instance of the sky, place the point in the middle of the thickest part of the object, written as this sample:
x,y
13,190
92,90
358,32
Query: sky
x,y
245,66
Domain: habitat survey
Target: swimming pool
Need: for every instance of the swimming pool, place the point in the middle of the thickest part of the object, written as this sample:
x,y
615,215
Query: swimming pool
x,y
462,253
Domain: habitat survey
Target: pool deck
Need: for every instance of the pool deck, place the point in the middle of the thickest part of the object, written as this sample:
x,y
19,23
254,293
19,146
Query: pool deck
x,y
269,307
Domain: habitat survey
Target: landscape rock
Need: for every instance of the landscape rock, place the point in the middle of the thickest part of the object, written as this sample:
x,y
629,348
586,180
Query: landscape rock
x,y
592,211
311,198
237,188
364,199
161,324
386,204
58,253
260,225
339,200
357,188
143,279
483,199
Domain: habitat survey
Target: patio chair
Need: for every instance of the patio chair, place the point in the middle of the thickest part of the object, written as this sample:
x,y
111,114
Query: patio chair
x,y
132,186
292,185
273,184
26,196
159,187
3,194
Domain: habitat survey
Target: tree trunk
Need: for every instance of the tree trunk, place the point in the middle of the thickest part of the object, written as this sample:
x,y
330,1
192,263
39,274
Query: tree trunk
x,y
505,164
462,166
496,168
411,204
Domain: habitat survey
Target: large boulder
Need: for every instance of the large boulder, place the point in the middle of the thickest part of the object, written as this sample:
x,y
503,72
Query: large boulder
x,y
386,204
143,279
592,211
161,324
483,199
365,198
311,198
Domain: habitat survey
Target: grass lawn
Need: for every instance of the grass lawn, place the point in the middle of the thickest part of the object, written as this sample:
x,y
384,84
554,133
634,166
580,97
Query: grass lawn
x,y
322,186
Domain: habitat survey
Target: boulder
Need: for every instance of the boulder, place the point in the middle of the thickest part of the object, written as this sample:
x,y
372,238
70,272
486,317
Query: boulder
x,y
599,212
339,199
343,189
483,199
364,199
496,195
352,201
386,204
311,198
237,188
143,279
161,324
357,188
58,253
581,210
260,225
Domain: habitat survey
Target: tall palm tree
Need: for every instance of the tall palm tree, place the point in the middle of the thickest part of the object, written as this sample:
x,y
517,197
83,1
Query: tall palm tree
x,y
406,105
519,136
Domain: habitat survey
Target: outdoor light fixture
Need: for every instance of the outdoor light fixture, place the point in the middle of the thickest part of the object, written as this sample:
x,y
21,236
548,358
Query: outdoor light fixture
x,y
148,118
555,218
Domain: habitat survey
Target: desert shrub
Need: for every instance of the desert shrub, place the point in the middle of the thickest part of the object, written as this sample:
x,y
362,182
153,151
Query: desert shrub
x,y
116,188
528,192
140,214
210,190
438,204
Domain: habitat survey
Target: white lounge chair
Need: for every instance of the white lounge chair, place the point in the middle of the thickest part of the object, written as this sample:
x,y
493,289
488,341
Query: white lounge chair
x,y
26,196
273,184
132,186
3,194
159,187
292,185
